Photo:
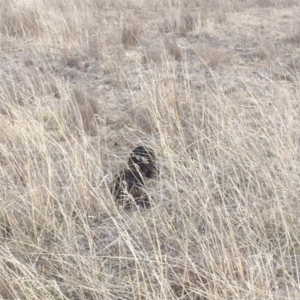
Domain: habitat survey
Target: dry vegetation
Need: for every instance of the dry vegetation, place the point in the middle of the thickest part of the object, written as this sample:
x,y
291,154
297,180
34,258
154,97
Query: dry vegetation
x,y
212,86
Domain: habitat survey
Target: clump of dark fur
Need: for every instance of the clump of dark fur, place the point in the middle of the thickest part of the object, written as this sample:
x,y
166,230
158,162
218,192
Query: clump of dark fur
x,y
128,186
143,160
128,189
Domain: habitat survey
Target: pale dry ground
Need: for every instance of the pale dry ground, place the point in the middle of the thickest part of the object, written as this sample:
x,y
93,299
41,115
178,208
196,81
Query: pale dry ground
x,y
212,86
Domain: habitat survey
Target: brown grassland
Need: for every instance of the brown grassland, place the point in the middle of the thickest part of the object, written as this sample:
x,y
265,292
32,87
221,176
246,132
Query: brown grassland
x,y
213,86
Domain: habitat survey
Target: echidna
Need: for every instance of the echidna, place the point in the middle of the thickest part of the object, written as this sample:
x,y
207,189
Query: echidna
x,y
128,186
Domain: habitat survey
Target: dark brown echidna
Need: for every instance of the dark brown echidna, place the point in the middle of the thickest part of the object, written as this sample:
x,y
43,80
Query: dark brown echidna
x,y
128,186
128,189
143,160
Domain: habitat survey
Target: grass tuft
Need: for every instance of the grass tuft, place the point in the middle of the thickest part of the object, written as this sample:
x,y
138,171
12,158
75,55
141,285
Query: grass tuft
x,y
131,33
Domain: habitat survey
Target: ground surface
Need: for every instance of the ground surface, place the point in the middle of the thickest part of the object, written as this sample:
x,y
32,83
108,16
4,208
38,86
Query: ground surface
x,y
212,86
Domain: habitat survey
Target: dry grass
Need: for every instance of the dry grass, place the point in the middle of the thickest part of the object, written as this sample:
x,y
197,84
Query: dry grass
x,y
174,50
212,86
131,33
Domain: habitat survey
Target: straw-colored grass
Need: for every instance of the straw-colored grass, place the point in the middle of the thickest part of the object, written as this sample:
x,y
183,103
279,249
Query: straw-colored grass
x,y
212,86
